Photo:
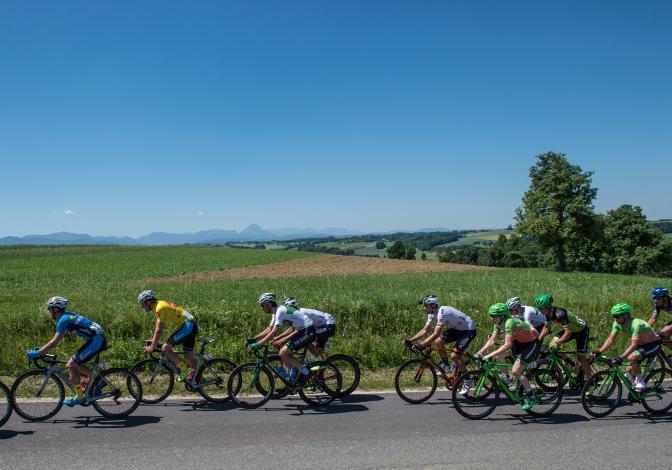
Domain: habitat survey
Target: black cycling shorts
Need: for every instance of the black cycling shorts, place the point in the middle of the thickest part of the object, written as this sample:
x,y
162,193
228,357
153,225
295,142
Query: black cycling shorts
x,y
461,338
302,338
186,336
581,338
526,352
648,350
323,333
94,345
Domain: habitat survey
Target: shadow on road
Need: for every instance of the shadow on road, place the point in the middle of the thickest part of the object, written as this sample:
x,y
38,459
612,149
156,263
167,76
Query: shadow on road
x,y
361,398
555,418
8,434
107,423
333,408
208,406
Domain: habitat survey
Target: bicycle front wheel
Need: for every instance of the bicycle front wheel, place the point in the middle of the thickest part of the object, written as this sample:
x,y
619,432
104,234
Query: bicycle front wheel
x,y
323,386
658,399
36,396
415,381
156,378
350,373
212,380
475,396
116,393
5,403
250,385
601,394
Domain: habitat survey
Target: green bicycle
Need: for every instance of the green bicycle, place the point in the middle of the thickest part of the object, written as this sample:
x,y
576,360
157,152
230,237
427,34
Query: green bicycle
x,y
602,393
562,363
485,385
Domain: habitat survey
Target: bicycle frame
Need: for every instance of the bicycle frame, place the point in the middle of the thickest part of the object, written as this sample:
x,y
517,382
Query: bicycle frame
x,y
490,369
617,371
429,359
200,357
55,369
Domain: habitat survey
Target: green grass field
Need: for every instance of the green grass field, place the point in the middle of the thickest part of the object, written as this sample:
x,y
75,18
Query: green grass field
x,y
476,237
374,313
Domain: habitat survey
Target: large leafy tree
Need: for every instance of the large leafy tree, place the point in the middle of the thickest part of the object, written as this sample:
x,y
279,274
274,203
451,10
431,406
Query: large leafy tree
x,y
557,209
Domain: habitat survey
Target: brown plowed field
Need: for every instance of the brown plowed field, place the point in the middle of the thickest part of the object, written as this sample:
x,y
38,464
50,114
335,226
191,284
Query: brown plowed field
x,y
326,265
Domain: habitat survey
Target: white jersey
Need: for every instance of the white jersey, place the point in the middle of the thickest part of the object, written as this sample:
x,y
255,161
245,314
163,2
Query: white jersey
x,y
318,318
532,316
291,316
451,318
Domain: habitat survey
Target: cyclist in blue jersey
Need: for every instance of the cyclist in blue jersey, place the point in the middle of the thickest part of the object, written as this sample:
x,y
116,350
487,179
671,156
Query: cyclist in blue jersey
x,y
81,326
661,303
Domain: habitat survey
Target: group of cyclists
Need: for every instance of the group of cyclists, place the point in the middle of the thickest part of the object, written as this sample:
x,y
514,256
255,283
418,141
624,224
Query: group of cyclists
x,y
523,327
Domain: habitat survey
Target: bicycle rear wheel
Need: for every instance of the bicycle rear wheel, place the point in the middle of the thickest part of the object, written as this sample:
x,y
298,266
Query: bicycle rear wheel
x,y
658,400
157,380
5,403
547,388
601,394
37,398
323,386
250,385
119,390
479,397
350,373
415,381
212,380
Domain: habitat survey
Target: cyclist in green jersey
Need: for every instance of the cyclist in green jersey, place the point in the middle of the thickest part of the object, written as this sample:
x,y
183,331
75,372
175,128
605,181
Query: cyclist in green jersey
x,y
644,342
521,339
574,329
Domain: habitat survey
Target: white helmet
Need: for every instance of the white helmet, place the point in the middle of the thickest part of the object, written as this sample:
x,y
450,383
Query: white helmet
x,y
57,302
267,297
145,296
291,302
429,299
514,302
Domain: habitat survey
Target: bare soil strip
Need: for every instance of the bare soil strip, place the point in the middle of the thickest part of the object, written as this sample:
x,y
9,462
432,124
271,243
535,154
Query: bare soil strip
x,y
325,265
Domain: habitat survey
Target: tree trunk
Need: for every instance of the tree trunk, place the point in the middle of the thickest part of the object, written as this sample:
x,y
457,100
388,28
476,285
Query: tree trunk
x,y
562,262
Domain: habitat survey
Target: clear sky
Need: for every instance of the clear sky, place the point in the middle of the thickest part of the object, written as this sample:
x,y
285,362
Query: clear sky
x,y
128,117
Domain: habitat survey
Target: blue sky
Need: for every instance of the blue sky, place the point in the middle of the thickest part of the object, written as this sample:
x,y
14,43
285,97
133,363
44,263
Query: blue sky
x,y
124,118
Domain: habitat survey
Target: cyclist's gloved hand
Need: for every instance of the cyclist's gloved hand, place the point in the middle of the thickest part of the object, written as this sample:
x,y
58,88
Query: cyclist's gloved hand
x,y
616,361
249,340
553,345
33,354
254,346
408,343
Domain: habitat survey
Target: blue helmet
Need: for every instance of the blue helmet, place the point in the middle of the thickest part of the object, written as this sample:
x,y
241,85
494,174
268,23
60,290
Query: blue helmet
x,y
659,293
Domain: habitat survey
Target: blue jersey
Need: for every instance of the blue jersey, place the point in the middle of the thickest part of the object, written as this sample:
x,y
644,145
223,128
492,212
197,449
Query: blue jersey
x,y
79,325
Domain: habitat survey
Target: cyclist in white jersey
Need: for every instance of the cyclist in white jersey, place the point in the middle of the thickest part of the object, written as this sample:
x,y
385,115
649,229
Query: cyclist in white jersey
x,y
300,332
324,323
457,328
529,315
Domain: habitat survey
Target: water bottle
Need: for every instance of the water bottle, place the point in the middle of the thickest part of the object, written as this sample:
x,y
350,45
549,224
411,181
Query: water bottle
x,y
207,356
292,373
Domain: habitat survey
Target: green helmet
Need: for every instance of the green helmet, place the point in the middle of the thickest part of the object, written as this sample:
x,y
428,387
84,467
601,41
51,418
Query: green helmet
x,y
498,310
543,301
621,309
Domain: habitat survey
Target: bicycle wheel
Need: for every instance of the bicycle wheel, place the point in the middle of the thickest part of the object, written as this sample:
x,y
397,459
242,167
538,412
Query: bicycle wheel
x,y
323,386
415,381
156,378
547,388
212,379
5,403
350,373
37,398
480,395
659,399
120,393
601,394
544,365
281,389
250,385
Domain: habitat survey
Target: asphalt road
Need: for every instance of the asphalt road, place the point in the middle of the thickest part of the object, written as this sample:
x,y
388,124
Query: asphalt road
x,y
375,430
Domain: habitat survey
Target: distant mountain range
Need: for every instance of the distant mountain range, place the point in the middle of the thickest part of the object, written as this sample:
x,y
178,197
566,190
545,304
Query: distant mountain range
x,y
251,233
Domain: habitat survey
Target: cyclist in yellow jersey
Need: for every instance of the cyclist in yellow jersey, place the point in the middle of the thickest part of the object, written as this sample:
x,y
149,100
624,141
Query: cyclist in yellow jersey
x,y
168,312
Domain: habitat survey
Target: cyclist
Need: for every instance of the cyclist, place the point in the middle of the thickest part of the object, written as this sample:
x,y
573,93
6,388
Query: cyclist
x,y
300,333
452,326
661,302
324,323
185,334
521,339
81,326
643,343
574,329
526,313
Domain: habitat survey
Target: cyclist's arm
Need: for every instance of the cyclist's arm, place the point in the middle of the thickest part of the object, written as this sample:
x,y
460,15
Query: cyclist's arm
x,y
420,333
654,318
263,333
633,345
508,343
565,336
433,336
544,331
607,343
51,344
488,344
269,336
157,334
285,336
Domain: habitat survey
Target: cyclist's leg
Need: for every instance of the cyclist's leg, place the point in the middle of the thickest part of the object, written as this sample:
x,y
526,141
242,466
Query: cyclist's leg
x,y
525,353
321,336
460,347
301,339
581,339
76,364
185,335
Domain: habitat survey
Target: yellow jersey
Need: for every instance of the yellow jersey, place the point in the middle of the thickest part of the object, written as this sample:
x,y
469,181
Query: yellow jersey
x,y
168,312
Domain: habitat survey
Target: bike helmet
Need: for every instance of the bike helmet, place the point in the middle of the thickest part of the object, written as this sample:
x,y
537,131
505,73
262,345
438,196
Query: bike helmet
x,y
543,301
291,302
498,310
57,302
514,302
660,293
267,297
621,309
429,299
146,296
